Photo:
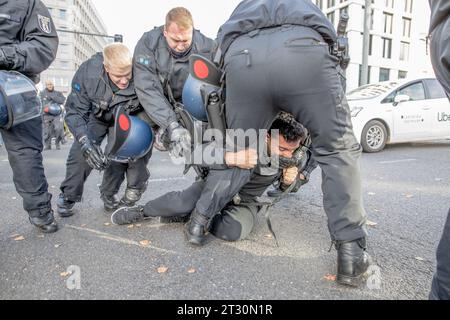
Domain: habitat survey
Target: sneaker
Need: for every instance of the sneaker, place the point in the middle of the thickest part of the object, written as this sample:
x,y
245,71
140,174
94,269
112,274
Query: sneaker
x,y
128,215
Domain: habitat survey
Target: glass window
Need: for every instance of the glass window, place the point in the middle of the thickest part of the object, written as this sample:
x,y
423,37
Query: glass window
x,y
435,89
62,14
406,27
384,74
415,91
402,74
387,48
404,51
408,6
388,23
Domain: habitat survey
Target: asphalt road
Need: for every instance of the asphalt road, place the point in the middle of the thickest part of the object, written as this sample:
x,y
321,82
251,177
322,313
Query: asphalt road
x,y
406,193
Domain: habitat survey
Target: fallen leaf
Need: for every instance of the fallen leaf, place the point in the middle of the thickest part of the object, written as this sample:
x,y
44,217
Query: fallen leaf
x,y
65,274
162,269
371,223
268,236
419,259
330,277
41,236
19,238
371,193
107,224
57,245
131,226
409,196
144,243
138,225
376,210
192,270
14,198
83,225
14,235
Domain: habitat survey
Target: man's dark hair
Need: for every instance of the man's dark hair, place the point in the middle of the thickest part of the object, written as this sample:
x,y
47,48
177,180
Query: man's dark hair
x,y
289,128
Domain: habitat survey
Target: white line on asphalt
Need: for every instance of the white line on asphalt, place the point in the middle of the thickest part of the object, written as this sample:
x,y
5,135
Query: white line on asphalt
x,y
111,237
166,179
398,161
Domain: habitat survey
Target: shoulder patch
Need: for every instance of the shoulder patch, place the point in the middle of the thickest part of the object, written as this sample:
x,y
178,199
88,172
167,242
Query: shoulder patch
x,y
44,24
77,87
144,61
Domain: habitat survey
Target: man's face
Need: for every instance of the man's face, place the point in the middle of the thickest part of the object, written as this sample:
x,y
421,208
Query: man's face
x,y
178,39
49,86
120,76
285,149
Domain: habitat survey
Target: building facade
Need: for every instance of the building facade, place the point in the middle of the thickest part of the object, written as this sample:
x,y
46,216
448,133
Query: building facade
x,y
74,49
398,31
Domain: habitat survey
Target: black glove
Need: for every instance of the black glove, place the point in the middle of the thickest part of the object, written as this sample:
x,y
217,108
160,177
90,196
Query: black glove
x,y
4,62
93,154
180,140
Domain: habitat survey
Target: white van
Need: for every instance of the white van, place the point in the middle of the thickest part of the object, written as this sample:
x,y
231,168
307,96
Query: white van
x,y
399,111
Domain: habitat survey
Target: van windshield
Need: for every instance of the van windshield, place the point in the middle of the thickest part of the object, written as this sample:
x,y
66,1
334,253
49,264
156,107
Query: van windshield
x,y
371,90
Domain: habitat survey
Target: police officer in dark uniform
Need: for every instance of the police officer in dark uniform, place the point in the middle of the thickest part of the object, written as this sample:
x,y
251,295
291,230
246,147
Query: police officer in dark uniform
x,y
161,67
28,44
101,84
237,219
53,126
276,57
440,57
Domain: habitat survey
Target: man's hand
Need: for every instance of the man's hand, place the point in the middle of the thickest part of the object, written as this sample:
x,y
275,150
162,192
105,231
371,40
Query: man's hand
x,y
4,63
290,175
93,154
180,140
245,159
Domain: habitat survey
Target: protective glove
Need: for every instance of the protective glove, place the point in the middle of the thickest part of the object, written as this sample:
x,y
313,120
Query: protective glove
x,y
4,62
93,154
180,140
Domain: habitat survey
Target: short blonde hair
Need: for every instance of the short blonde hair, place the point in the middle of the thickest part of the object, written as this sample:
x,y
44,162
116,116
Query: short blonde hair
x,y
117,55
181,16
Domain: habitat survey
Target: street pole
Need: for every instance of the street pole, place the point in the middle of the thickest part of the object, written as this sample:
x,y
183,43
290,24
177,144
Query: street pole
x,y
116,37
366,43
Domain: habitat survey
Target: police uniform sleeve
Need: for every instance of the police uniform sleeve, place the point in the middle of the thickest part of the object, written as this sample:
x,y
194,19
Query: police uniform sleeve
x,y
78,105
59,98
39,45
148,86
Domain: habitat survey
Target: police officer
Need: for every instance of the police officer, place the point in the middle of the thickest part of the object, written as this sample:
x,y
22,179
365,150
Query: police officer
x,y
440,57
53,126
276,57
28,44
237,219
161,67
101,84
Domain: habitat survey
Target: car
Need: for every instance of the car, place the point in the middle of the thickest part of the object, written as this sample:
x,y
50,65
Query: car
x,y
399,111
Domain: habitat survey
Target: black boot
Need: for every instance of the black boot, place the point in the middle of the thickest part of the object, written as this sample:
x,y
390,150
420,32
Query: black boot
x,y
64,206
130,197
352,262
196,229
45,224
110,203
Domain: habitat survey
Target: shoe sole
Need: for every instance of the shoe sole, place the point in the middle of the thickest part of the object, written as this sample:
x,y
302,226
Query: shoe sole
x,y
124,224
65,215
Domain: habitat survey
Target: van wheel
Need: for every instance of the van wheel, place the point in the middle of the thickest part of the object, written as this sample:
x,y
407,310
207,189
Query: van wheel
x,y
374,137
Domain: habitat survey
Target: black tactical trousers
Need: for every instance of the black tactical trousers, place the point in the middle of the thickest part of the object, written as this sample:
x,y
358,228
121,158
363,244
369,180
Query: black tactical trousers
x,y
78,170
231,224
53,128
24,146
440,289
290,69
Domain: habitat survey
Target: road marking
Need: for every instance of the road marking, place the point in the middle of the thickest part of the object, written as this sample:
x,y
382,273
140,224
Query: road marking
x,y
166,179
397,161
112,237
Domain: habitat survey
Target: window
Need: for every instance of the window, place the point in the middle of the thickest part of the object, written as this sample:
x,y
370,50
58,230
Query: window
x,y
330,17
406,27
370,44
415,91
331,3
384,74
319,3
369,69
388,23
62,14
404,51
402,74
390,3
435,89
387,48
408,6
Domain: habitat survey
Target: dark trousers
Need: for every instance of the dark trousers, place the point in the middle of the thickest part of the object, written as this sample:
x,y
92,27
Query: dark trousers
x,y
290,69
440,289
53,128
77,170
24,146
231,224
